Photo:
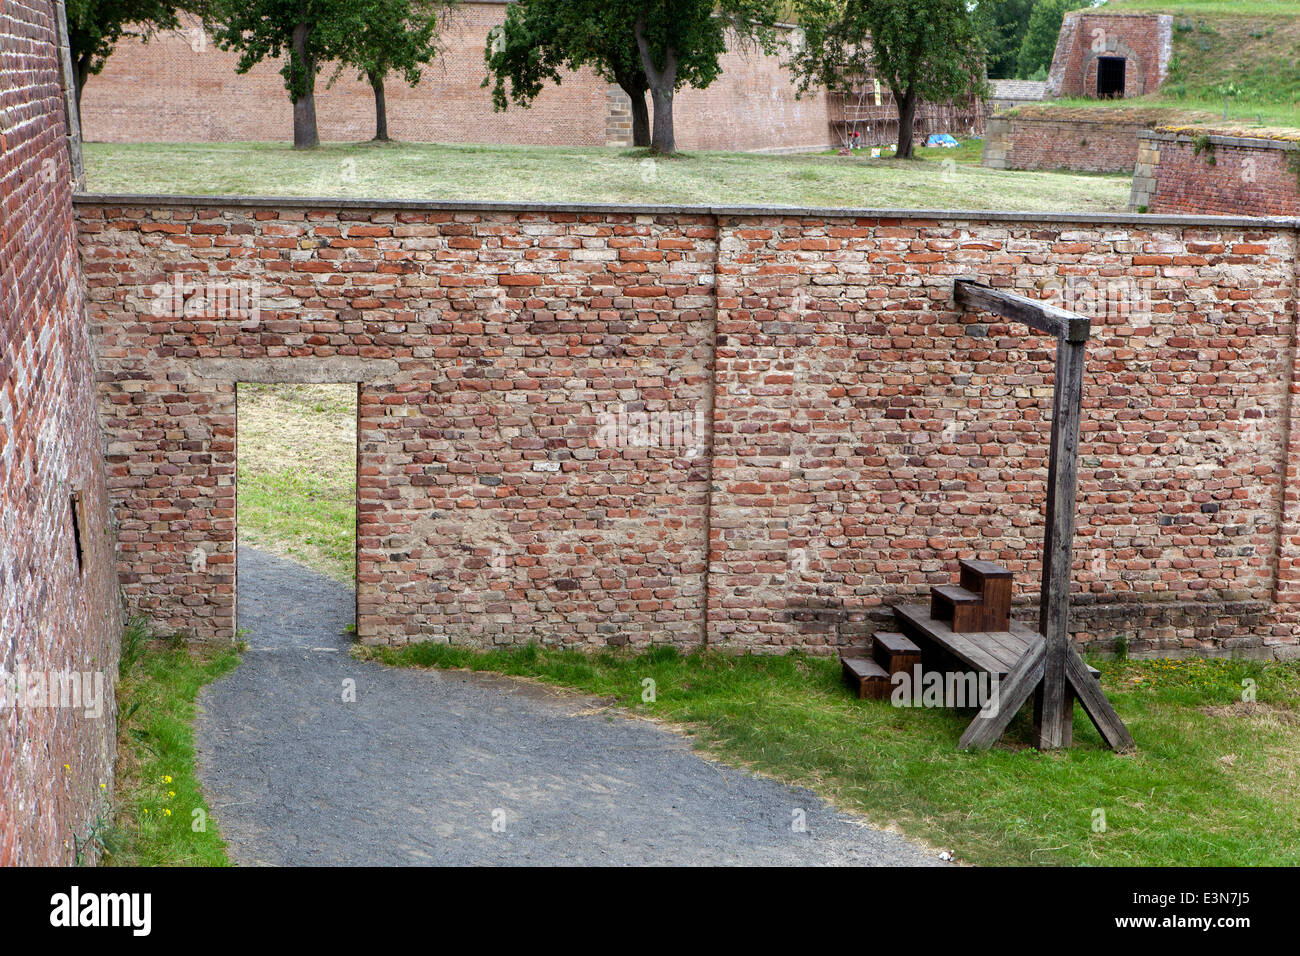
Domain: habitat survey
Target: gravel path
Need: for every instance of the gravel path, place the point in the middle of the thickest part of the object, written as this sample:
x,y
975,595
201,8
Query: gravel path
x,y
458,768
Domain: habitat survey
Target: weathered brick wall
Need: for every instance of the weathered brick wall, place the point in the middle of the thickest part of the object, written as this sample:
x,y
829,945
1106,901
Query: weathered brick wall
x,y
1235,175
54,617
1018,141
858,432
1144,40
895,434
179,87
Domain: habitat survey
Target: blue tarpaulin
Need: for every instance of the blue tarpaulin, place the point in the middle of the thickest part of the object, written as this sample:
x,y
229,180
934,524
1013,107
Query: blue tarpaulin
x,y
941,139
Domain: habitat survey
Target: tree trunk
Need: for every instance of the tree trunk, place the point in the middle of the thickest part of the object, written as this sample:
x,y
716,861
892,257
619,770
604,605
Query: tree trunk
x,y
662,139
663,82
83,74
381,108
640,119
906,122
305,135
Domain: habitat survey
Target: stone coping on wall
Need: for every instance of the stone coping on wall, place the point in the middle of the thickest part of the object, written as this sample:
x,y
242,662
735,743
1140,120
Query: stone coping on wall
x,y
1222,139
823,212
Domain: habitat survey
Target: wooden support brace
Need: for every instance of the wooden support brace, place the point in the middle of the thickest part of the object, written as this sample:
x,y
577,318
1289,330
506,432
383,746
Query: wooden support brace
x,y
1012,692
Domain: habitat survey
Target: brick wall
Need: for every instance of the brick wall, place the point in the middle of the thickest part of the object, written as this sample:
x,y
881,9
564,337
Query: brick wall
x,y
1019,141
1144,40
178,87
54,617
1235,175
843,432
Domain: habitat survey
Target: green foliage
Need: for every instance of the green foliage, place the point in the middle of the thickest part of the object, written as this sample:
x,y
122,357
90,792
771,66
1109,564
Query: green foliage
x,y
921,49
1201,144
1041,32
379,37
641,45
306,30
541,40
95,27
1005,22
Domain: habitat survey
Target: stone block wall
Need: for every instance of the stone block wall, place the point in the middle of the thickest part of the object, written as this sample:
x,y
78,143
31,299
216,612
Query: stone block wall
x,y
59,608
609,425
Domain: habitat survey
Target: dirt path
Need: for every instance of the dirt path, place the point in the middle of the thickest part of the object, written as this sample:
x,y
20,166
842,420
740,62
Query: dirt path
x,y
459,768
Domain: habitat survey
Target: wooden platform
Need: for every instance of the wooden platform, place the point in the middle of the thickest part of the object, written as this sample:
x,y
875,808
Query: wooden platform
x,y
991,652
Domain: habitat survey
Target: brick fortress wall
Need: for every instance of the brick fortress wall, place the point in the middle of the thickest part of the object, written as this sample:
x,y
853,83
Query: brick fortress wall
x,y
179,87
58,616
1042,138
1229,174
605,425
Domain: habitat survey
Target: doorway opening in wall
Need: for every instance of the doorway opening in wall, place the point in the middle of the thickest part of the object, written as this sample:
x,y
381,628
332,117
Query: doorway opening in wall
x,y
296,508
1110,77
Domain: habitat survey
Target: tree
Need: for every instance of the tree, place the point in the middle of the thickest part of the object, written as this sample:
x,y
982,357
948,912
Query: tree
x,y
672,43
307,30
920,49
379,37
681,41
540,40
1039,44
96,26
1007,22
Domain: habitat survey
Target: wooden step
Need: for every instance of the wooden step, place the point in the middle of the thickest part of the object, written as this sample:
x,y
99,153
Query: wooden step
x,y
960,609
895,652
992,583
866,677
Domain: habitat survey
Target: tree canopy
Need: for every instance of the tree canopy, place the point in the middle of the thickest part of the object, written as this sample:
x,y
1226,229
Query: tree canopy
x,y
306,30
1041,32
96,26
641,45
379,37
921,49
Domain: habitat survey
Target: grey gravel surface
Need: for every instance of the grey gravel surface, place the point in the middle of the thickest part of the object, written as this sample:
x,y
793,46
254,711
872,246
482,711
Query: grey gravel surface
x,y
448,767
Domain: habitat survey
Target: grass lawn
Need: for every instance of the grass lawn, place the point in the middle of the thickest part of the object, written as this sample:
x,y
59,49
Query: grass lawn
x,y
297,475
1240,8
1214,781
945,179
157,788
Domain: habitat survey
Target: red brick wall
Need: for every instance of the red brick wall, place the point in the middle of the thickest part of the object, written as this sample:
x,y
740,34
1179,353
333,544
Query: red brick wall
x,y
1145,40
1244,177
53,617
862,432
178,87
1029,142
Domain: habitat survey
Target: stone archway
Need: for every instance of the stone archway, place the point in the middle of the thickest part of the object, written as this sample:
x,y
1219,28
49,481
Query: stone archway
x,y
1134,71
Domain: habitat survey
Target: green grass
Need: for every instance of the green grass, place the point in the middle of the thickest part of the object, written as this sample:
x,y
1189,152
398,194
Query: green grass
x,y
1239,8
571,174
157,786
297,475
1212,783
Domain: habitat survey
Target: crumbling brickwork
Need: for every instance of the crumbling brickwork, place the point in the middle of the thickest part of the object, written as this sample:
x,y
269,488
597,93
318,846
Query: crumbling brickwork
x,y
1218,174
59,612
838,432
